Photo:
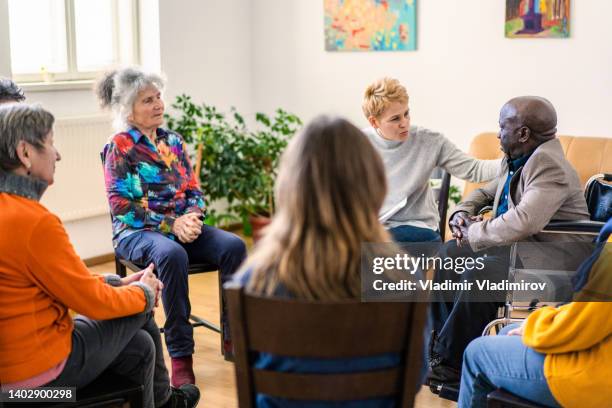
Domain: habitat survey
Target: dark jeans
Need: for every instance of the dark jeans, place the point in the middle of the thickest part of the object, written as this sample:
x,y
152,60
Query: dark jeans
x,y
460,316
409,233
129,346
172,258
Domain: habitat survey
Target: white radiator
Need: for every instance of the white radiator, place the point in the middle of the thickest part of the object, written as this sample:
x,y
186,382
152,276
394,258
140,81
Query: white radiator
x,y
78,191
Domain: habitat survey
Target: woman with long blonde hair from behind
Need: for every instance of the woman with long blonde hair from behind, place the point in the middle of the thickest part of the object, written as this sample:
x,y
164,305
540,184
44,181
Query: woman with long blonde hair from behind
x,y
330,188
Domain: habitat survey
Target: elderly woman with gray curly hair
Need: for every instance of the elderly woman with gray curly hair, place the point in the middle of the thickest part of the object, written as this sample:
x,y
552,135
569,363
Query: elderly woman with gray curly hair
x,y
157,207
42,278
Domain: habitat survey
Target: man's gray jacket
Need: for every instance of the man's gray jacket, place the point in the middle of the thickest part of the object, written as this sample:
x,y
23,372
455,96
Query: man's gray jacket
x,y
545,189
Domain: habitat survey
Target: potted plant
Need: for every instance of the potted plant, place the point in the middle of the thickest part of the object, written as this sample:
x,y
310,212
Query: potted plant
x,y
235,165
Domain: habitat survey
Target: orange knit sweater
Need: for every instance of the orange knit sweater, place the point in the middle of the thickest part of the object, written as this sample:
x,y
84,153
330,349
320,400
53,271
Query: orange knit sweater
x,y
41,277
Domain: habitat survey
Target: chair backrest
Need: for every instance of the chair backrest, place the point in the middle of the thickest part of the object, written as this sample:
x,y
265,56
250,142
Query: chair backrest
x,y
326,330
442,191
588,155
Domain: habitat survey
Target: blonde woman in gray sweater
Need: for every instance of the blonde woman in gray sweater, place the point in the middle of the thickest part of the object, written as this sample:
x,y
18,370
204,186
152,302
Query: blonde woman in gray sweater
x,y
410,154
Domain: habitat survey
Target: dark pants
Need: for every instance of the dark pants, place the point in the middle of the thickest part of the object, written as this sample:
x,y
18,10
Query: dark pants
x,y
130,346
172,258
460,316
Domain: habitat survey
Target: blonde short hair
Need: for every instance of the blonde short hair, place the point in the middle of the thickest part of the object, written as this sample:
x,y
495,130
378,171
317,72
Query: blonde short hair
x,y
380,94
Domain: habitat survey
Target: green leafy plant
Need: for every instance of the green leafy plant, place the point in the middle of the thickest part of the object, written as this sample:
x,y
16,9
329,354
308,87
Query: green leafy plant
x,y
235,164
454,194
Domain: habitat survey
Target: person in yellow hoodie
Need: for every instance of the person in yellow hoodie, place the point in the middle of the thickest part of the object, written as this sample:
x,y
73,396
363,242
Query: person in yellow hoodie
x,y
559,356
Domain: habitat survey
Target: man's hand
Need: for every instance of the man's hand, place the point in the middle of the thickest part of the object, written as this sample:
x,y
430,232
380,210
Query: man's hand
x,y
187,227
460,223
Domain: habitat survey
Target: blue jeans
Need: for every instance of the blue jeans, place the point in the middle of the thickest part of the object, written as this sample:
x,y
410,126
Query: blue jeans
x,y
502,361
409,233
172,258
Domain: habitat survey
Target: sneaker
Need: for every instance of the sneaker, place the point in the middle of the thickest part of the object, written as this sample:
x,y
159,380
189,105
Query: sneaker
x,y
186,396
439,372
444,374
182,371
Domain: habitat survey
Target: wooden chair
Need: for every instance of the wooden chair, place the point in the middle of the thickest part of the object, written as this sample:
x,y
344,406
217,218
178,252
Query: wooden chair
x,y
326,330
121,266
196,321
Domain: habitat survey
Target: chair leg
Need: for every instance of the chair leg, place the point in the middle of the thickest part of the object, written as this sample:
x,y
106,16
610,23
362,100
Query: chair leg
x,y
120,268
199,322
221,309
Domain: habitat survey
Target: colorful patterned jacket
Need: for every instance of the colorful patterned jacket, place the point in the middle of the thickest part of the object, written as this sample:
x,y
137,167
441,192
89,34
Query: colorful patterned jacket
x,y
149,186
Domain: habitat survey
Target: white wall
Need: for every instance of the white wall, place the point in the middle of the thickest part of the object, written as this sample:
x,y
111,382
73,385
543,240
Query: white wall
x,y
204,47
5,68
462,72
258,55
205,51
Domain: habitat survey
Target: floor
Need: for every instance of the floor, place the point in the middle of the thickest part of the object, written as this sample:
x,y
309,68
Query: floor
x,y
214,375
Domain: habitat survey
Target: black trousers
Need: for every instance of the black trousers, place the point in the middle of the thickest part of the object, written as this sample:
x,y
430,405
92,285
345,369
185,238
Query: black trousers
x,y
459,316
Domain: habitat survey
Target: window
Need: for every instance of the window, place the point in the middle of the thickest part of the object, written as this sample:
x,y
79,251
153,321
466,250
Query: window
x,y
62,40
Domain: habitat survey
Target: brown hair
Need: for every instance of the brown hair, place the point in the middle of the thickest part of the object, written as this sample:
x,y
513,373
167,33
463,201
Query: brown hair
x,y
330,188
380,94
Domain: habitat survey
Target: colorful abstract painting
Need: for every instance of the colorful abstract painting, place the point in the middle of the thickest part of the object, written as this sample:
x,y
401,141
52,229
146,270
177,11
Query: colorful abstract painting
x,y
537,18
370,25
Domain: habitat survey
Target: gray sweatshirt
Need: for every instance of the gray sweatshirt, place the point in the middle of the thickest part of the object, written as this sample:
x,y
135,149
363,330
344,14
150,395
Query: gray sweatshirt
x,y
409,165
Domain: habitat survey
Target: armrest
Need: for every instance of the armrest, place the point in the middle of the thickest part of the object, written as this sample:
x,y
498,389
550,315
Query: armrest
x,y
574,227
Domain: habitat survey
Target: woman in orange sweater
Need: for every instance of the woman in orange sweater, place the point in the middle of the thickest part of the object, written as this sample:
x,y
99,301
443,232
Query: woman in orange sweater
x,y
41,277
559,356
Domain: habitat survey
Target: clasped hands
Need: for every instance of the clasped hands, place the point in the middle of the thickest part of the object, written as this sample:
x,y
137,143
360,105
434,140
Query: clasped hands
x,y
187,227
460,223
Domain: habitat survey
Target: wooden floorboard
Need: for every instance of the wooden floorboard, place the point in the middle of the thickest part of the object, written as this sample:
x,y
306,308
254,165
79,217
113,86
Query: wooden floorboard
x,y
214,375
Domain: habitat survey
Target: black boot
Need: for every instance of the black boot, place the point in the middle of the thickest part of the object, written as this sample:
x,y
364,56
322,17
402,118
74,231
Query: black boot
x,y
186,396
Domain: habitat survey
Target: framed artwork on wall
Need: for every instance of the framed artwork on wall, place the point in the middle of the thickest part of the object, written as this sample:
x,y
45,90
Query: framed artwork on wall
x,y
370,25
537,18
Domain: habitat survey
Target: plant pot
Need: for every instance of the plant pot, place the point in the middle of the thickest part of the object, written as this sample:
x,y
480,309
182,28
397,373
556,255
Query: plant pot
x,y
258,223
